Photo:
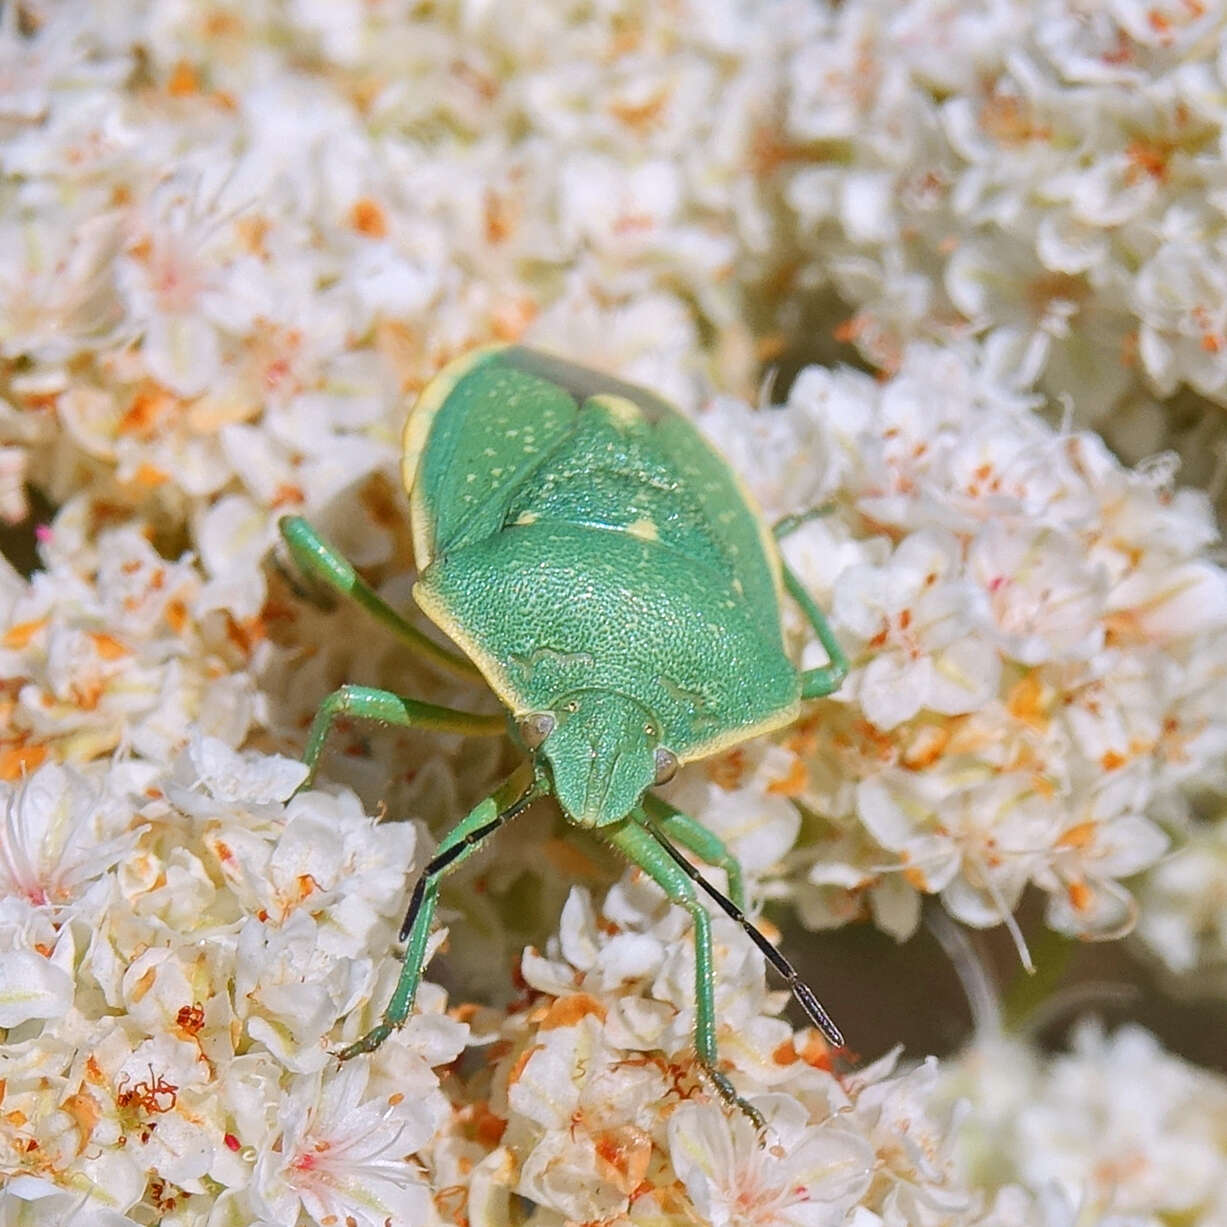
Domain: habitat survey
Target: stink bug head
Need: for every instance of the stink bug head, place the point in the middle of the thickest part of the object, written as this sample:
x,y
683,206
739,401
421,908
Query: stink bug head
x,y
601,752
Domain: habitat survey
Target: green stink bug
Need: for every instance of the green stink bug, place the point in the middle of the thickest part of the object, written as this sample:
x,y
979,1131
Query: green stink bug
x,y
605,573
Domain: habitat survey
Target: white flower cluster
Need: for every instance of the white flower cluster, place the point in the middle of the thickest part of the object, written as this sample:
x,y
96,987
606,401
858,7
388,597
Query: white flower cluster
x,y
1039,641
1048,174
1115,1132
175,951
113,648
592,1108
175,947
234,237
1184,908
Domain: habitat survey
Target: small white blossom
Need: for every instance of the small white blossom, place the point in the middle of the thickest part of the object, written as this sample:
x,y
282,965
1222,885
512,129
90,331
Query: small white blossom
x,y
35,965
1116,1127
60,834
1184,906
341,1154
921,625
801,1175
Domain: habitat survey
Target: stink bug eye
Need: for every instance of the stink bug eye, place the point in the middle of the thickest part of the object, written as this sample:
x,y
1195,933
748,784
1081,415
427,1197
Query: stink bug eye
x,y
666,765
582,541
535,728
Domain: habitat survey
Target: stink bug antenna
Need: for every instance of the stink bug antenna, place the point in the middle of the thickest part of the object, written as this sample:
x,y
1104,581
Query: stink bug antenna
x,y
800,990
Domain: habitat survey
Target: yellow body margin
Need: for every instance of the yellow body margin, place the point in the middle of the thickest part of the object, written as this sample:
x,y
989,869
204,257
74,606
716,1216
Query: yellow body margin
x,y
771,547
779,720
489,666
413,443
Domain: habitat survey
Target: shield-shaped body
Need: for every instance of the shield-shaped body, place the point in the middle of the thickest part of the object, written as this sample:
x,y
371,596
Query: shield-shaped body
x,y
576,534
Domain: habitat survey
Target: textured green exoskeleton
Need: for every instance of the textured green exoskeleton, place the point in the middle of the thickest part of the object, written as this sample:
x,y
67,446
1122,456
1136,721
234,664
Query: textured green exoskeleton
x,y
604,571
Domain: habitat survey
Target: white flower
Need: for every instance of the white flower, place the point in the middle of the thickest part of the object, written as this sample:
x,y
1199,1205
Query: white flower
x,y
1184,906
1180,295
1105,842
32,1201
1118,1126
60,834
35,965
234,778
1044,602
918,623
977,844
343,1154
800,1175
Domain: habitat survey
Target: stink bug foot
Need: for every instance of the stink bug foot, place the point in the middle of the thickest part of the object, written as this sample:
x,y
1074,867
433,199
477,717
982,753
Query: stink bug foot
x,y
730,1097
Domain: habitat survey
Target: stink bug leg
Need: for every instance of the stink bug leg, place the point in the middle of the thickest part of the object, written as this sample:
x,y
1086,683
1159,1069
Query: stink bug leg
x,y
321,561
638,844
641,840
695,836
800,990
827,679
508,802
367,703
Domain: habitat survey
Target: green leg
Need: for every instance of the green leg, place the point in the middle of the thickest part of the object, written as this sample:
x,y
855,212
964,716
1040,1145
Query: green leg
x,y
825,680
510,800
369,704
702,842
799,989
322,561
637,844
789,524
